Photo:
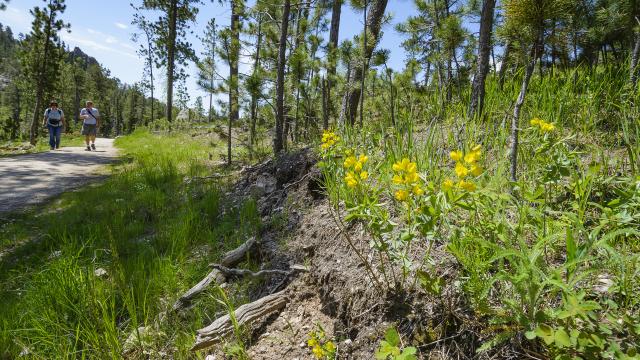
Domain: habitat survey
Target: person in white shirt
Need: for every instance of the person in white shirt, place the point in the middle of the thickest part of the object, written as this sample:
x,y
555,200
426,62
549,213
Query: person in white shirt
x,y
54,121
90,125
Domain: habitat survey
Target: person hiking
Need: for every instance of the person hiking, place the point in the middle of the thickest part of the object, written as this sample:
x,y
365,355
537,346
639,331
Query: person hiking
x,y
54,121
90,125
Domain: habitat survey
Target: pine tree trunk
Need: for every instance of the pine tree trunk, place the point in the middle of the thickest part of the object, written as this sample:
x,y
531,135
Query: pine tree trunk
x,y
504,64
171,56
515,121
333,59
33,134
278,143
254,97
352,97
633,71
484,51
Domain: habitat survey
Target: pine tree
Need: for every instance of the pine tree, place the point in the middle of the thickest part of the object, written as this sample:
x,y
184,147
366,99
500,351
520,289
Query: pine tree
x,y
41,55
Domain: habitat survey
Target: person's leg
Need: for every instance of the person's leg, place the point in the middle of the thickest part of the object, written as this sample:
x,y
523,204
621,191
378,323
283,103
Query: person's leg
x,y
58,136
52,134
93,140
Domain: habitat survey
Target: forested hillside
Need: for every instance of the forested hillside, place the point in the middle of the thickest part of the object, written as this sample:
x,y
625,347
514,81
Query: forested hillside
x,y
78,78
481,201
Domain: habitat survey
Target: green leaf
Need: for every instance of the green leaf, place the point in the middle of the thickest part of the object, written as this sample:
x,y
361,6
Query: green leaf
x,y
407,354
530,335
385,350
562,338
431,284
545,332
392,337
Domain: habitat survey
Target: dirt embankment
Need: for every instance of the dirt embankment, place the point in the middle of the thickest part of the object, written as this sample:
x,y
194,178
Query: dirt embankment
x,y
337,291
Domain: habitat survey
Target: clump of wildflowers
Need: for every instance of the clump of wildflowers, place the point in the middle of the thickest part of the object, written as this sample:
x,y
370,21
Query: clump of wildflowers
x,y
320,346
354,167
542,125
406,176
466,166
329,139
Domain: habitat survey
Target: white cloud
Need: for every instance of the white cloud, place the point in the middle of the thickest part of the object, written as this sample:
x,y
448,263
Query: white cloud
x,y
111,40
121,26
19,20
88,43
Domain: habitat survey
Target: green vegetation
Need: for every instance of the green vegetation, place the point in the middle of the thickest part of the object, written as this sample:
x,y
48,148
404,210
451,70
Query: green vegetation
x,y
12,147
553,257
151,233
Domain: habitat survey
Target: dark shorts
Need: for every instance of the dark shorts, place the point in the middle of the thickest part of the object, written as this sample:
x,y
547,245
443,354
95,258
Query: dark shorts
x,y
89,129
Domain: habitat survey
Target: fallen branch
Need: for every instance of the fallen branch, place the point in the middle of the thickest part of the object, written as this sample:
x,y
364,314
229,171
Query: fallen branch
x,y
244,315
230,259
243,272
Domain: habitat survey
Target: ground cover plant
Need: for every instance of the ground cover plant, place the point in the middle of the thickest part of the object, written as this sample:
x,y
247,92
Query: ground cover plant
x,y
83,273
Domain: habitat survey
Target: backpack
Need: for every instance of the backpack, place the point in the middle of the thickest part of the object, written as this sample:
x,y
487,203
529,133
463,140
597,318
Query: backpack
x,y
53,122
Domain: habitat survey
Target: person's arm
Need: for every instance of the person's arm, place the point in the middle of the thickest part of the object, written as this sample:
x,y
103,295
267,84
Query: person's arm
x,y
44,121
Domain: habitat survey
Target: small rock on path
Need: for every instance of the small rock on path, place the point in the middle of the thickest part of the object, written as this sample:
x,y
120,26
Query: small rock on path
x,y
30,179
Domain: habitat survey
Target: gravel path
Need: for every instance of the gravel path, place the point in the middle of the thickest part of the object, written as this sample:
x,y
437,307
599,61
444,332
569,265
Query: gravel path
x,y
30,179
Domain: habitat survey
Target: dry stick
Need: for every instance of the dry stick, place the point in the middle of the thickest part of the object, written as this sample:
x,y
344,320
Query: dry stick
x,y
244,272
339,223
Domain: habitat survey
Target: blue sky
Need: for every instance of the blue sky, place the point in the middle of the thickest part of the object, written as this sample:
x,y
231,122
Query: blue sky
x,y
103,30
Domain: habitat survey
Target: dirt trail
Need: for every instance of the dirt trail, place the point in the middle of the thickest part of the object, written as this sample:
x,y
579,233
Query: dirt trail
x,y
30,179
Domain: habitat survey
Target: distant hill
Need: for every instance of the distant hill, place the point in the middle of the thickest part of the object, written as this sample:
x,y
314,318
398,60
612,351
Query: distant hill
x,y
78,53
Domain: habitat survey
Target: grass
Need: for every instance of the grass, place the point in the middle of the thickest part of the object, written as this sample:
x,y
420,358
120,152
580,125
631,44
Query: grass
x,y
15,147
151,233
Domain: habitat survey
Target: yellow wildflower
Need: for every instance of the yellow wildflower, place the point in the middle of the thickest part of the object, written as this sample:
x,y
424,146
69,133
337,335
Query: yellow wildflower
x,y
447,184
349,162
351,180
417,190
363,158
476,170
330,346
397,179
461,170
467,185
411,178
312,342
318,352
364,175
456,155
535,122
547,127
402,195
358,166
401,165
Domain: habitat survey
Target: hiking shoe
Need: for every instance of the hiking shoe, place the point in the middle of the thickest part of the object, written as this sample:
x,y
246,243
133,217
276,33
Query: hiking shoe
x,y
53,149
93,146
88,148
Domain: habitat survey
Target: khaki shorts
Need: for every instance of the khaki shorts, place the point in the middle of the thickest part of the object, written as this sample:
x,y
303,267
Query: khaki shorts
x,y
89,129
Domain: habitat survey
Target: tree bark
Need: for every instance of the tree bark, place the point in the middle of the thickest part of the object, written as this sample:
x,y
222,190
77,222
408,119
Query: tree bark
x,y
171,57
515,121
352,97
33,134
484,51
633,71
504,64
278,143
334,31
254,97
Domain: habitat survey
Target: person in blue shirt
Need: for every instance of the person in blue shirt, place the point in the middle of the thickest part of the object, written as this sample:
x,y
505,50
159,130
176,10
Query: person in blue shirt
x,y
54,121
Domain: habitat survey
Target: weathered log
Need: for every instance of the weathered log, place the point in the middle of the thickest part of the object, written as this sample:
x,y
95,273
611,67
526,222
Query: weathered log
x,y
244,315
238,254
231,258
244,272
213,276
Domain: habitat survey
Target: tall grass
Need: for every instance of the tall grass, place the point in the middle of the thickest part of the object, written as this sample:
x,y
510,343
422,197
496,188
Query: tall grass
x,y
153,235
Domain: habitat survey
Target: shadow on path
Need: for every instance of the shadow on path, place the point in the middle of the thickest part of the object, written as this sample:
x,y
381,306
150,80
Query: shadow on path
x,y
30,179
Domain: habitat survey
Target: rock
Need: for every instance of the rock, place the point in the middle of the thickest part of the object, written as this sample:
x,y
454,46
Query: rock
x,y
142,337
210,357
265,184
54,255
100,272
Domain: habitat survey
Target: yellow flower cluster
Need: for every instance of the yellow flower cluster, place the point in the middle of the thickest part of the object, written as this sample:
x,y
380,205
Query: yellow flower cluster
x,y
319,350
406,175
543,125
355,170
329,138
466,164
